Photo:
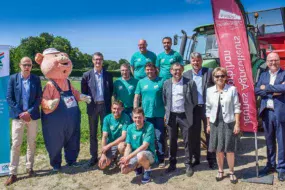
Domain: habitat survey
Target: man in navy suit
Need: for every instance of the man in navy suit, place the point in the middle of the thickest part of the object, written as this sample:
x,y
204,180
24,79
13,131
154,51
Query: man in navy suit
x,y
271,88
24,97
98,84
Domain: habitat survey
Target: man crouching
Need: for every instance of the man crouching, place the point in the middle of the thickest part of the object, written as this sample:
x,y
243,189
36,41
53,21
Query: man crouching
x,y
140,150
114,134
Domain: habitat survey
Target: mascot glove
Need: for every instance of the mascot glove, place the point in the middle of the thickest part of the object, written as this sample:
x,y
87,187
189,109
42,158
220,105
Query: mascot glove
x,y
52,103
85,98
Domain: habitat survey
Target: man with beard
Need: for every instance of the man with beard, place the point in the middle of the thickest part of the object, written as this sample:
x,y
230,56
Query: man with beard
x,y
167,58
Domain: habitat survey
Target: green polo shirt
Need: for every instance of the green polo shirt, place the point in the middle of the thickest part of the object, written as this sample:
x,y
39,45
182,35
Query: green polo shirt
x,y
151,93
139,60
164,62
124,90
114,127
136,137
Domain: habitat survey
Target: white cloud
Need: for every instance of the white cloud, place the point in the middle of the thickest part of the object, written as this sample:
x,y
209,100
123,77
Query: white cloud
x,y
195,2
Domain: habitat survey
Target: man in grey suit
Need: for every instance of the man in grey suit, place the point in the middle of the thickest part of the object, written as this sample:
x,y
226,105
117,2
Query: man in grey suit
x,y
180,98
203,79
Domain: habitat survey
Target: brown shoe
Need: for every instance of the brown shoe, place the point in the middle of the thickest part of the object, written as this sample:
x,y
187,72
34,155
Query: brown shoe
x,y
12,179
30,172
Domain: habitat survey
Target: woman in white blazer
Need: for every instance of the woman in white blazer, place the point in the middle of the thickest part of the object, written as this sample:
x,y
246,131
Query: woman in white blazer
x,y
222,111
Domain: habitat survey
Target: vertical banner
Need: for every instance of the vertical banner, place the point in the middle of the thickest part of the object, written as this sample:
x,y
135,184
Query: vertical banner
x,y
234,55
4,112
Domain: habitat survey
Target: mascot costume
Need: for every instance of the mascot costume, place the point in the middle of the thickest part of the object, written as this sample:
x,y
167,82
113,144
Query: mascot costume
x,y
60,110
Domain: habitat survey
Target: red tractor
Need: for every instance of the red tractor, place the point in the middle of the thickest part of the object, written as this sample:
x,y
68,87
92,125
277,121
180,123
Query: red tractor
x,y
270,25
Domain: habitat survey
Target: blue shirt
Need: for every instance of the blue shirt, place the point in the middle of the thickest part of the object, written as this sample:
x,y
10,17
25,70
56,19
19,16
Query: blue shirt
x,y
198,80
25,92
99,96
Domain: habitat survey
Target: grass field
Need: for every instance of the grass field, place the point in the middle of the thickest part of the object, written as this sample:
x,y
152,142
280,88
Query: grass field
x,y
84,126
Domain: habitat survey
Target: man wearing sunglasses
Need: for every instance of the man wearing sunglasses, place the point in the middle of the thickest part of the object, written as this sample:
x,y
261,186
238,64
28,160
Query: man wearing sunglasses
x,y
203,79
23,96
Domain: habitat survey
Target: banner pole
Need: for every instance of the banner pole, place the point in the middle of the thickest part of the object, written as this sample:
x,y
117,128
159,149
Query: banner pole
x,y
256,154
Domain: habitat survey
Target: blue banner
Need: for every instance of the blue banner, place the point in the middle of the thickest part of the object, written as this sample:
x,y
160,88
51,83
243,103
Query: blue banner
x,y
4,112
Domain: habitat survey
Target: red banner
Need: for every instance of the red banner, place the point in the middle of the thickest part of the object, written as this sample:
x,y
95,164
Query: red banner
x,y
234,56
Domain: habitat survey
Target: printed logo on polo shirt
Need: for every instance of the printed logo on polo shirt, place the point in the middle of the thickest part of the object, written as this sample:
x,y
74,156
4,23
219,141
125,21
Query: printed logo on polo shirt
x,y
139,59
148,60
162,60
120,87
131,87
171,60
120,126
134,137
155,86
112,127
145,87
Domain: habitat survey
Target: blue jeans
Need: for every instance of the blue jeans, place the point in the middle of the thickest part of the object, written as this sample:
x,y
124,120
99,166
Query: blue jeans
x,y
158,123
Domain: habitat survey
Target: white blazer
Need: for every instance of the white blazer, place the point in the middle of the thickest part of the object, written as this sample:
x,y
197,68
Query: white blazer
x,y
229,102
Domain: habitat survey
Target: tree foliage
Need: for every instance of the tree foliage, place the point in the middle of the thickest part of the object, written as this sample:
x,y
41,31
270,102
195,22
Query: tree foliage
x,y
30,46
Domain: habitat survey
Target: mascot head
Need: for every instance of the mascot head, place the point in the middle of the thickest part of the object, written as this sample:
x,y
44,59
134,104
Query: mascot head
x,y
54,64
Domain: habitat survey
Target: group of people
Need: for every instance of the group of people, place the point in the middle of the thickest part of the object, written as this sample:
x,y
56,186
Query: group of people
x,y
137,113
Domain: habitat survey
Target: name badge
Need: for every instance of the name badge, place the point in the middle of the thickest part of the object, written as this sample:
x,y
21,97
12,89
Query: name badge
x,y
70,101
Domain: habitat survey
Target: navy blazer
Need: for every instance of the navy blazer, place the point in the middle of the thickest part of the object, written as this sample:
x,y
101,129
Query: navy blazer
x,y
14,96
267,93
88,84
207,79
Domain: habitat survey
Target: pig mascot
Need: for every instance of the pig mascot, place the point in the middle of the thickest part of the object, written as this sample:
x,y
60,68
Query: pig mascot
x,y
60,110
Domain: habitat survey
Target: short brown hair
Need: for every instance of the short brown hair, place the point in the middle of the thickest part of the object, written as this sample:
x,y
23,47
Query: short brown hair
x,y
222,69
117,102
98,54
149,64
126,65
138,110
177,64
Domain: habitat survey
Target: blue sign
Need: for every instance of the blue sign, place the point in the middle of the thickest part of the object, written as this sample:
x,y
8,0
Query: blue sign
x,y
4,112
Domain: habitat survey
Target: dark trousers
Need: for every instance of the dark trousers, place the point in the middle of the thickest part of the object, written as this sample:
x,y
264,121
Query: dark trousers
x,y
99,111
158,123
273,129
199,117
178,120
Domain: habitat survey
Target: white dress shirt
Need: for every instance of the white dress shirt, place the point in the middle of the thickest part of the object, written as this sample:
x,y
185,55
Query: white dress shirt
x,y
177,105
270,103
229,102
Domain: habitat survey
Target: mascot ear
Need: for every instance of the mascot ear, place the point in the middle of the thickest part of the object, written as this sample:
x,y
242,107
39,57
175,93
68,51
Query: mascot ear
x,y
39,58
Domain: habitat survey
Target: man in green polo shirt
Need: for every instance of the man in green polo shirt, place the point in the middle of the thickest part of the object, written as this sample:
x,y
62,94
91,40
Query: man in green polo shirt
x,y
114,133
167,58
140,58
149,90
124,89
140,151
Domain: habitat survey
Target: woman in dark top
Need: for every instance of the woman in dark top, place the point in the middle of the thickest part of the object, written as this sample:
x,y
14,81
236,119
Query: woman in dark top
x,y
222,111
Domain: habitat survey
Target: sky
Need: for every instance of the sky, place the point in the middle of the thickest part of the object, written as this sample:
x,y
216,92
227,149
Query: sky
x,y
109,26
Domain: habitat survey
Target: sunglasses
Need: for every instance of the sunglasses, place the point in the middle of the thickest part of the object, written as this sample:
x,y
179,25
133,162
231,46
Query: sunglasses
x,y
220,76
26,65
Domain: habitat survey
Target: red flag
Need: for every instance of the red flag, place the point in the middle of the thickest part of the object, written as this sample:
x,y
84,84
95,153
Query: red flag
x,y
234,56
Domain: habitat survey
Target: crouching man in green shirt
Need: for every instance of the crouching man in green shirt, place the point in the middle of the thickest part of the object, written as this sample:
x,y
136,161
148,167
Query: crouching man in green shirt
x,y
140,150
114,134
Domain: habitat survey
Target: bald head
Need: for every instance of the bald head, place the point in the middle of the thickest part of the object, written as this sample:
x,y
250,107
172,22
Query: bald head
x,y
142,46
26,66
26,59
273,62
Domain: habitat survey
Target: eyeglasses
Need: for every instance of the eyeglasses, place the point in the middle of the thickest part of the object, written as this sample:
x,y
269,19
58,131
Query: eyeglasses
x,y
220,76
273,61
27,65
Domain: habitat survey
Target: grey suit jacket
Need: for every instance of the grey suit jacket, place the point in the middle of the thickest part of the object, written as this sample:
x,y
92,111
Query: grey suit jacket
x,y
190,98
207,80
